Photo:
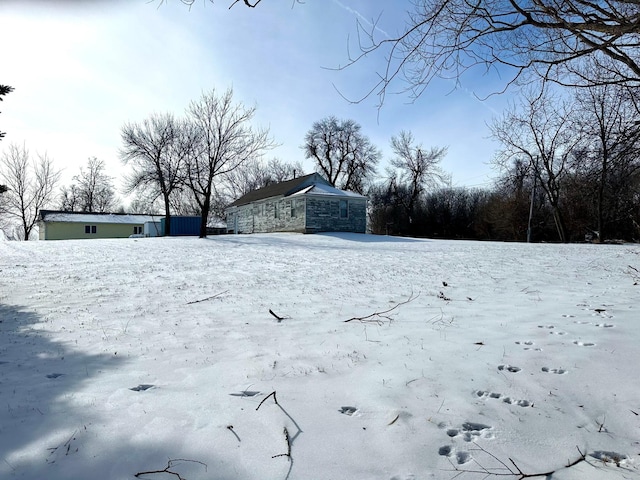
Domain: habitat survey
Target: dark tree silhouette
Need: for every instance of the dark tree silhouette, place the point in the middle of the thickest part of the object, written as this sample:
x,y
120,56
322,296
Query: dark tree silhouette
x,y
345,156
4,90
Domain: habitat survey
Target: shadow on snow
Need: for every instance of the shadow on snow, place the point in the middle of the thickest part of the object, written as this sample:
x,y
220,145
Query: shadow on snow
x,y
48,428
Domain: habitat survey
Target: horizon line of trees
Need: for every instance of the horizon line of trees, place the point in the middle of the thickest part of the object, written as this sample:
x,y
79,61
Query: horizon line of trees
x,y
569,171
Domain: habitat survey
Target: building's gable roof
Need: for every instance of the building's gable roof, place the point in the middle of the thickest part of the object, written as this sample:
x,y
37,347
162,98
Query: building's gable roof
x,y
312,183
89,217
326,190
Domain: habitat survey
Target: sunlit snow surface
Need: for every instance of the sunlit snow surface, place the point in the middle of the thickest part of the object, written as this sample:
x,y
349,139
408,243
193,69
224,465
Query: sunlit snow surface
x,y
120,357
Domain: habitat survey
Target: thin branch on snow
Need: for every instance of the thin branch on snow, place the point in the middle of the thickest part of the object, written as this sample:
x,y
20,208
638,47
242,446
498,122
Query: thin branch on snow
x,y
288,439
506,470
208,298
170,464
272,394
278,317
376,317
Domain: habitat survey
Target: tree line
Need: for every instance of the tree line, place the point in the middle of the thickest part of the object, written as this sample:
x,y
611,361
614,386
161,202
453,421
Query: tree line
x,y
569,170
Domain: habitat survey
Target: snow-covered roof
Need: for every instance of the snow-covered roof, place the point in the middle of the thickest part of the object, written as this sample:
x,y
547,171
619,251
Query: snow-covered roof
x,y
313,183
77,217
322,189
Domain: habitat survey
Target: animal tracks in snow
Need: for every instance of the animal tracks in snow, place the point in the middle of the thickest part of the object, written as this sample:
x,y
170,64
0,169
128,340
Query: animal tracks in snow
x,y
583,344
552,330
618,459
559,371
469,432
348,410
460,457
504,398
528,345
509,368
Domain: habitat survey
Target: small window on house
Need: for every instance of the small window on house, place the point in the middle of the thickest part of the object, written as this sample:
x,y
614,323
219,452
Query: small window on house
x,y
137,230
344,209
94,229
294,206
87,229
276,213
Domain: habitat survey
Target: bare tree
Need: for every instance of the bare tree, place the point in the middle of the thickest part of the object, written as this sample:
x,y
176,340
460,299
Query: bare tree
x,y
551,40
92,190
529,38
416,168
246,3
611,143
539,133
255,174
30,185
153,150
220,139
345,156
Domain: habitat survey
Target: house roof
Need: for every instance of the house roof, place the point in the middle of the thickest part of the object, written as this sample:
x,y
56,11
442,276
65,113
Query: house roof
x,y
91,217
313,183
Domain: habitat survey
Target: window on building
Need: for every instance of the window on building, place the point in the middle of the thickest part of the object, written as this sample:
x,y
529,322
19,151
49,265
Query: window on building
x,y
94,229
90,229
276,213
294,206
137,230
344,209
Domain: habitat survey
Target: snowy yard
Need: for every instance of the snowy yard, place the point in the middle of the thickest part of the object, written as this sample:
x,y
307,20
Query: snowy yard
x,y
120,357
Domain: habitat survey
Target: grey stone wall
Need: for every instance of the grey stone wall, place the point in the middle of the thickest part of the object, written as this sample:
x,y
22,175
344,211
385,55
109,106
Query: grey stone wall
x,y
307,214
323,215
261,217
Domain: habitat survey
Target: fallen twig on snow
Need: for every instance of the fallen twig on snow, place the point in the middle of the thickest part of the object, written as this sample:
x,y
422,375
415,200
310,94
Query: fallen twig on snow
x,y
170,464
376,317
288,439
208,298
278,317
506,470
275,400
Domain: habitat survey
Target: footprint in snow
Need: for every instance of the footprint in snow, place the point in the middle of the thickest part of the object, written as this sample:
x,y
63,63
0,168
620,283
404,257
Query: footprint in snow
x,y
461,457
509,368
471,431
348,410
499,396
559,371
604,325
618,459
519,403
55,375
583,344
528,345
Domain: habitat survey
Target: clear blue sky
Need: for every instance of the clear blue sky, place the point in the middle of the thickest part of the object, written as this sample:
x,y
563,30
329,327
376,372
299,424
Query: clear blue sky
x,y
82,69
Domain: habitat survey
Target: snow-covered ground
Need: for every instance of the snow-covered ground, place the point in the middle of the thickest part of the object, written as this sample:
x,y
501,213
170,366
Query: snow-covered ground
x,y
120,357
